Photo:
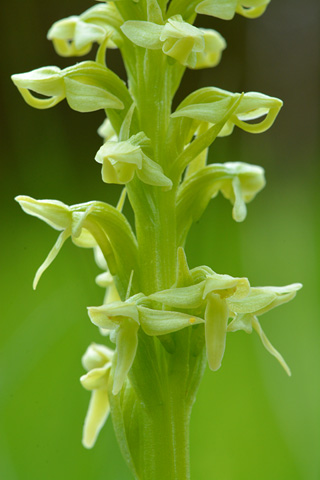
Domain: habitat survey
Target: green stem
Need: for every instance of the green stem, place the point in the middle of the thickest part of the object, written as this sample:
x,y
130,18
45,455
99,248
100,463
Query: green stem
x,y
161,382
154,208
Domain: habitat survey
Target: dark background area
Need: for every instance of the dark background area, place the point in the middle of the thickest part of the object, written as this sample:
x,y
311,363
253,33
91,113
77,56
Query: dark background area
x,y
250,422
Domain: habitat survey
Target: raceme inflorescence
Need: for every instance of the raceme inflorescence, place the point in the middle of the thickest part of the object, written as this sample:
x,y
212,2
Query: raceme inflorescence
x,y
164,318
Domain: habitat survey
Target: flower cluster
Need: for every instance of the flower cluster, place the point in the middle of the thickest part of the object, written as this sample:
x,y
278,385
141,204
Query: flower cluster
x,y
159,156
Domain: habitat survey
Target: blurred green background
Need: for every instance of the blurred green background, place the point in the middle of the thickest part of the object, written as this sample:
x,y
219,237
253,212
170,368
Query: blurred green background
x,y
250,421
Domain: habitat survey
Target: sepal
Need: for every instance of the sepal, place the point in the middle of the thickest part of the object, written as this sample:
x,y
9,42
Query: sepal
x,y
262,299
53,212
162,322
143,34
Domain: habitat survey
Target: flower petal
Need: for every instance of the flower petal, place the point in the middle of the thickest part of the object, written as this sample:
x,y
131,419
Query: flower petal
x,y
127,343
96,417
266,343
97,378
96,356
226,286
51,255
216,319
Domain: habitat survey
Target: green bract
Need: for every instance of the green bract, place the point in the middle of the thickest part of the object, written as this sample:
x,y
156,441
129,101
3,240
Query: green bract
x,y
164,319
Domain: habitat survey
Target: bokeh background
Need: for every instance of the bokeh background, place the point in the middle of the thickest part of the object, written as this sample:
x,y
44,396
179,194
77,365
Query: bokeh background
x,y
250,421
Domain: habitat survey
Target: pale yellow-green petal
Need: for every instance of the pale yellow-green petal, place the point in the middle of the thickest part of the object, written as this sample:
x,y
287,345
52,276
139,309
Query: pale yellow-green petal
x,y
253,302
53,212
96,417
96,356
51,256
127,343
226,286
97,378
266,343
216,319
239,211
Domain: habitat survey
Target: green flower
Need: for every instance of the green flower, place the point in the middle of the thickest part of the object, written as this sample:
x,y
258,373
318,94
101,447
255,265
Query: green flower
x,y
260,300
210,294
238,182
89,224
245,182
97,360
225,297
226,9
182,41
123,320
75,35
121,161
211,104
60,217
87,87
191,46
